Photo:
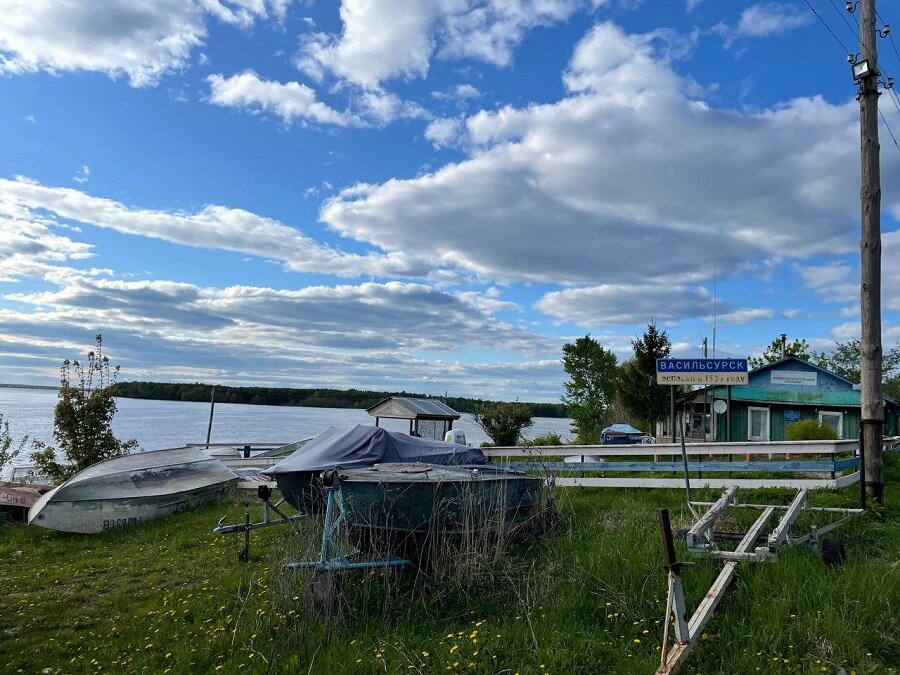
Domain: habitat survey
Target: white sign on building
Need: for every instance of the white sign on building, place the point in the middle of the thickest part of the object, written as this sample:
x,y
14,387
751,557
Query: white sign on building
x,y
795,377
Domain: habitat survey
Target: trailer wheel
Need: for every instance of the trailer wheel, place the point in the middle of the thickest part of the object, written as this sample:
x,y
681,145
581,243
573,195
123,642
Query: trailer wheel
x,y
834,554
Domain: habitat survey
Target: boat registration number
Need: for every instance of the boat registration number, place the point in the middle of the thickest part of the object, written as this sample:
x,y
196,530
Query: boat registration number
x,y
121,522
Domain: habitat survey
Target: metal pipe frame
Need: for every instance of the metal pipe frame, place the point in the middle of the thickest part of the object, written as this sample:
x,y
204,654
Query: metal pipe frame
x,y
700,530
221,528
672,659
331,557
782,533
761,507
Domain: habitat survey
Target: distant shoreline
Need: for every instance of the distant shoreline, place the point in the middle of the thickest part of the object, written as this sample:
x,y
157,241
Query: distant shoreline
x,y
303,398
308,398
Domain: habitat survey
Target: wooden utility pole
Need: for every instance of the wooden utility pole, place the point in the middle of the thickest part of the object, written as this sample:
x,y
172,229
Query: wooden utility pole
x,y
872,399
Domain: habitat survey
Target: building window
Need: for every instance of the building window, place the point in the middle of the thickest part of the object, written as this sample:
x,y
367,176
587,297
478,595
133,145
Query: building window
x,y
758,423
835,420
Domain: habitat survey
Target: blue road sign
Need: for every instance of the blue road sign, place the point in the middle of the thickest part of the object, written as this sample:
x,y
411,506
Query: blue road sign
x,y
701,371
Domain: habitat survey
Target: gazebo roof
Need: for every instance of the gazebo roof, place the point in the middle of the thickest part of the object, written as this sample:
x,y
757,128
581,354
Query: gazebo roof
x,y
401,407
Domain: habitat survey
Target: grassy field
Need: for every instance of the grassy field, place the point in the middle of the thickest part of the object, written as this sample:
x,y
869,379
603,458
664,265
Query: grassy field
x,y
170,597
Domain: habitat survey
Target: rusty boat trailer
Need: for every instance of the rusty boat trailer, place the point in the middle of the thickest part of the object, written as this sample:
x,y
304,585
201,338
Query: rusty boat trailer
x,y
702,543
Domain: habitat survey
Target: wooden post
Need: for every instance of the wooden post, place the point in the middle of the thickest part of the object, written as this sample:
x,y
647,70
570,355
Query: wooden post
x,y
728,417
212,409
672,416
871,397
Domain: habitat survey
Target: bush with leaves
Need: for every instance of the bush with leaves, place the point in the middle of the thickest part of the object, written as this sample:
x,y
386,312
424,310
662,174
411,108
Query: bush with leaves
x,y
503,422
7,455
82,419
810,430
550,438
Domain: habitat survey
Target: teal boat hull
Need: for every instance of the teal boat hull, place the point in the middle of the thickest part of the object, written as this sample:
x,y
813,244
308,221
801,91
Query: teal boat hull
x,y
442,500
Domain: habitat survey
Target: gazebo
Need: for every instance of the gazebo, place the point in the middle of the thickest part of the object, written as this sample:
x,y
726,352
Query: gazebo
x,y
428,418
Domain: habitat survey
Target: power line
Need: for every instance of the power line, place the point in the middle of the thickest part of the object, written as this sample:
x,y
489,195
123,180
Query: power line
x,y
893,138
890,35
894,45
827,27
893,96
843,16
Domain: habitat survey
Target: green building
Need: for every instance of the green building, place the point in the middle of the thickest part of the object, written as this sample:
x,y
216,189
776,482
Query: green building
x,y
777,394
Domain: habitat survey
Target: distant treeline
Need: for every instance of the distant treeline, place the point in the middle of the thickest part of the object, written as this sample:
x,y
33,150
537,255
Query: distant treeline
x,y
315,398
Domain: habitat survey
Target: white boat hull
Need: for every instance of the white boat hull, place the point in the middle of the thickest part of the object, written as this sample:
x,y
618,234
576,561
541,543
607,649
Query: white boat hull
x,y
131,490
91,517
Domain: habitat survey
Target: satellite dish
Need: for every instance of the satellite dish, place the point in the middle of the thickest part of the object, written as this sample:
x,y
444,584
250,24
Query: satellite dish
x,y
720,406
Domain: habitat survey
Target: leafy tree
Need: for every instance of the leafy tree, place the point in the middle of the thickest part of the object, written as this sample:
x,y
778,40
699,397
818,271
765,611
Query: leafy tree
x,y
844,361
810,430
83,418
891,387
6,442
638,390
591,387
772,353
503,422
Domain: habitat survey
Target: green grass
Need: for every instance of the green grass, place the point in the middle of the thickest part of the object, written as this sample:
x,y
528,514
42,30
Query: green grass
x,y
171,597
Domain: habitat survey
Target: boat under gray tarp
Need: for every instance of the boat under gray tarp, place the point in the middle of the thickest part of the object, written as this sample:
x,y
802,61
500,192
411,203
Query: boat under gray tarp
x,y
358,446
131,489
623,434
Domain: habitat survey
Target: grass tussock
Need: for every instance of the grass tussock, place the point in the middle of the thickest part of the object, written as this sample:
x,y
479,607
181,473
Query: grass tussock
x,y
587,597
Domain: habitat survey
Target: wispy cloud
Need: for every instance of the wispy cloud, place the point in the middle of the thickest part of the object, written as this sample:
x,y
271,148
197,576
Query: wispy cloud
x,y
82,175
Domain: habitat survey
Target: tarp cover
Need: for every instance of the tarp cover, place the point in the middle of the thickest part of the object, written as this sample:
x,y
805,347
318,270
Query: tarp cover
x,y
361,446
622,429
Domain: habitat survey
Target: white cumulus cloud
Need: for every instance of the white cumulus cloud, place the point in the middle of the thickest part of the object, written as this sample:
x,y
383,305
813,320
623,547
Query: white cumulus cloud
x,y
291,101
384,39
213,227
629,177
141,39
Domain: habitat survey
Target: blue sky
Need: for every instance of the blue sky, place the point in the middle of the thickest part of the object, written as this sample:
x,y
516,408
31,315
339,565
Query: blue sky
x,y
430,195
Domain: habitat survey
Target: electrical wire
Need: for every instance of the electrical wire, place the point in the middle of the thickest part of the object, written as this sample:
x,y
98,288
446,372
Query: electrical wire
x,y
893,96
890,131
891,93
827,27
890,35
843,15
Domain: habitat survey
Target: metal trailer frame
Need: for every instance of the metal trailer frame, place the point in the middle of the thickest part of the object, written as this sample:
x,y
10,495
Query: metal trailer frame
x,y
331,556
264,492
701,541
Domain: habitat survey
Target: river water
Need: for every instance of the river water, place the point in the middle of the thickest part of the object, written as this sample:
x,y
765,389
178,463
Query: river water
x,y
169,424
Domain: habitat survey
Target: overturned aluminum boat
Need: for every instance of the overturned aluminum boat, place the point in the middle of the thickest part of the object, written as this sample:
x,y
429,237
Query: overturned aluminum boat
x,y
131,489
355,447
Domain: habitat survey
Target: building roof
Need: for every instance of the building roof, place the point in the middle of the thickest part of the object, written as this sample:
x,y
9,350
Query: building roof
x,y
812,365
402,407
811,398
